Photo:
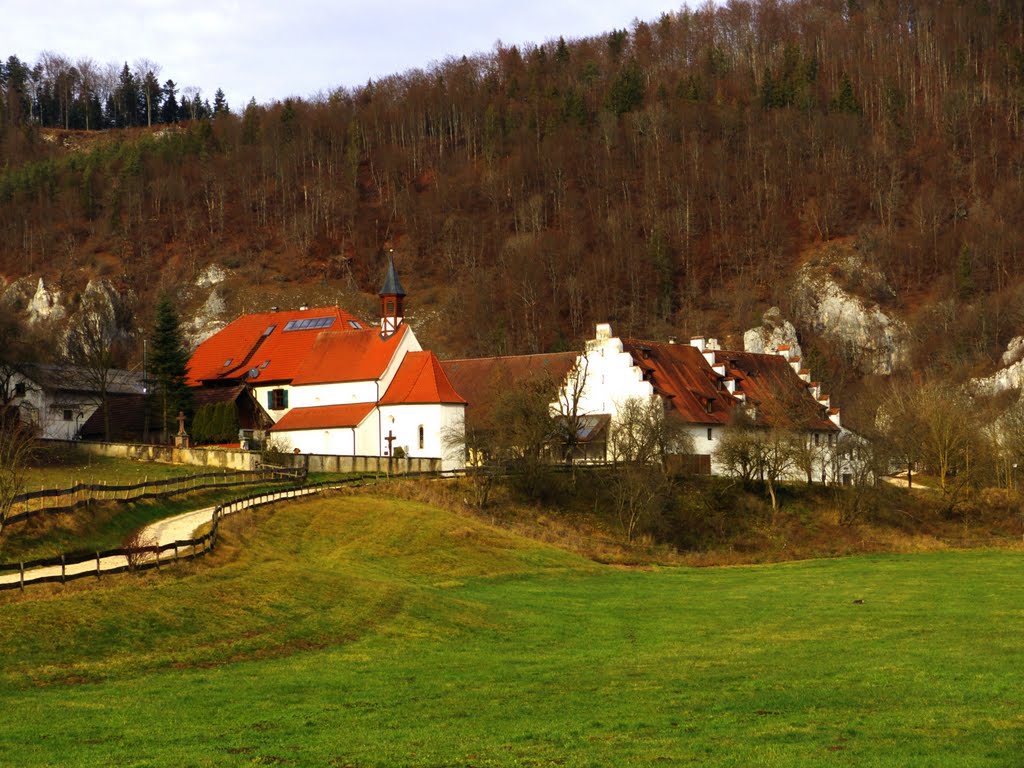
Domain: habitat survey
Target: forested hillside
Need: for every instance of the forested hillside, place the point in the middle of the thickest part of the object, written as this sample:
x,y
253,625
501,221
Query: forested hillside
x,y
669,178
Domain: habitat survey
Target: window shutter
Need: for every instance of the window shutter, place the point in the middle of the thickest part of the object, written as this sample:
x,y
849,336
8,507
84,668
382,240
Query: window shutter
x,y
270,400
284,398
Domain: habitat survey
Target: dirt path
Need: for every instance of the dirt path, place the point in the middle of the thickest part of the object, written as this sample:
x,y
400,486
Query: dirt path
x,y
167,531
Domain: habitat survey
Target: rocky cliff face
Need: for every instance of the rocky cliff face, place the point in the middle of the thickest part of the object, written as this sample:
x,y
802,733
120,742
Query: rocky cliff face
x,y
210,317
829,296
1010,376
775,331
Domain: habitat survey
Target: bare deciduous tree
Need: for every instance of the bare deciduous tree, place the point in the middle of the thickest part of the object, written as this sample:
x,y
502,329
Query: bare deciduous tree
x,y
17,442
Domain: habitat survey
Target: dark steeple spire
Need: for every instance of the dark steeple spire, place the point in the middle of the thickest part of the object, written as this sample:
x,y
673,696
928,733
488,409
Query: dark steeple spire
x,y
392,286
392,300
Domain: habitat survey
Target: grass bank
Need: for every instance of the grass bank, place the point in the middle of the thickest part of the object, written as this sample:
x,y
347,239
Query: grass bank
x,y
358,630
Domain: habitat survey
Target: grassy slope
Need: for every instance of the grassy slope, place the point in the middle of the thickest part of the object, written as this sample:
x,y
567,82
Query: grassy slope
x,y
368,631
70,467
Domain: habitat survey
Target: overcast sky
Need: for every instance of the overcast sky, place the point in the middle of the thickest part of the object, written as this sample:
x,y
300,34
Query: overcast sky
x,y
271,49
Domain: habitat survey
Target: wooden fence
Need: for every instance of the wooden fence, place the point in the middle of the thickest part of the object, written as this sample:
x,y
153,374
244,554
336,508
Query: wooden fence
x,y
58,500
144,557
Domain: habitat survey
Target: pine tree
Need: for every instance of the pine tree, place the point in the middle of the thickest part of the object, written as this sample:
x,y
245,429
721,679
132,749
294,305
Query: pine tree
x,y
220,104
167,367
169,110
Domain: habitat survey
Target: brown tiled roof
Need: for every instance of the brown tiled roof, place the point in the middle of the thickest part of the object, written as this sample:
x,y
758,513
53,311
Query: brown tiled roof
x,y
681,373
478,380
697,394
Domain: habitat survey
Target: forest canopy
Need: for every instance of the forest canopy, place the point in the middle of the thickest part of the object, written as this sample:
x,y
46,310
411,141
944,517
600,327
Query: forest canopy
x,y
669,176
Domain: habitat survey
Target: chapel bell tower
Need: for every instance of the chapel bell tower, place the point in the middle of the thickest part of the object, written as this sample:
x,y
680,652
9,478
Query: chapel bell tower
x,y
392,300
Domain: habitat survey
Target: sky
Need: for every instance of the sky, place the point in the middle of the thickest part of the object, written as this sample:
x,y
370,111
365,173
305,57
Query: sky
x,y
270,49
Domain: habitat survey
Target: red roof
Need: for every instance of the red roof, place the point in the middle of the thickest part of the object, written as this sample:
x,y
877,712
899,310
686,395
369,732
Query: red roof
x,y
261,342
348,356
323,417
420,379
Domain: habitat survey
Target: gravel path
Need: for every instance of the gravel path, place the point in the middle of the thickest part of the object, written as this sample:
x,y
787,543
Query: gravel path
x,y
178,528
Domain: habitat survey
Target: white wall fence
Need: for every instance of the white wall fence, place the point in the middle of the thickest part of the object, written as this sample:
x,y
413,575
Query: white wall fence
x,y
228,458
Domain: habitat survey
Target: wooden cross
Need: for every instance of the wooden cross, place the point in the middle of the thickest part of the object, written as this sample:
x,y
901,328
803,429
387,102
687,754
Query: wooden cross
x,y
389,439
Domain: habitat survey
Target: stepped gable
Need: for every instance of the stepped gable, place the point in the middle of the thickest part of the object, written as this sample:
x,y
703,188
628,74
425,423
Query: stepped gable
x,y
680,374
698,394
324,417
346,356
420,379
273,344
480,379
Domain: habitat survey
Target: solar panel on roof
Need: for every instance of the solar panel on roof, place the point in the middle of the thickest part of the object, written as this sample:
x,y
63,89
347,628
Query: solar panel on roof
x,y
309,323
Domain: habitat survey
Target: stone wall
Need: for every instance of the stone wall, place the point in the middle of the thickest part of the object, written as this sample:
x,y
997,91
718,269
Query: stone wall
x,y
226,458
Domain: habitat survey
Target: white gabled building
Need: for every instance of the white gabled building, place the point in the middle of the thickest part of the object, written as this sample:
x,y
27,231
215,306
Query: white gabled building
x,y
328,383
702,386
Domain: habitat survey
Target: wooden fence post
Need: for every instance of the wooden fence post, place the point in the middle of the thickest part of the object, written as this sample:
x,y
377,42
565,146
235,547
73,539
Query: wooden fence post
x,y
22,579
99,570
63,578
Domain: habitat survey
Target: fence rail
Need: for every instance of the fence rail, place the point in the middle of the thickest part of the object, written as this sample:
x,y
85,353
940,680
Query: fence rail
x,y
97,564
84,494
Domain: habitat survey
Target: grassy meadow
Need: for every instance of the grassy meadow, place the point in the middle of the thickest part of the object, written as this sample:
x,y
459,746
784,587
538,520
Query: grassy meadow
x,y
358,630
64,468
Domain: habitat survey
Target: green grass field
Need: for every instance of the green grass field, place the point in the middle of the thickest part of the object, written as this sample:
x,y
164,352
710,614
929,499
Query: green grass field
x,y
362,631
62,469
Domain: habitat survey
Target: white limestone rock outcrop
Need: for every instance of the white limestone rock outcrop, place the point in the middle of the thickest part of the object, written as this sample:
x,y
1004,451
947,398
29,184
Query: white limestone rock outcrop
x,y
1010,376
872,340
775,331
206,322
211,276
103,316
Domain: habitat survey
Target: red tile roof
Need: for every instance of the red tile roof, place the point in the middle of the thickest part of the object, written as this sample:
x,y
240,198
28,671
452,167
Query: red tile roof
x,y
323,417
420,379
247,345
348,356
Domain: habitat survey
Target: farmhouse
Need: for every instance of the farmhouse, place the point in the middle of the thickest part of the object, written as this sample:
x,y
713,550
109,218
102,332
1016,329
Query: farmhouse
x,y
64,402
321,381
708,391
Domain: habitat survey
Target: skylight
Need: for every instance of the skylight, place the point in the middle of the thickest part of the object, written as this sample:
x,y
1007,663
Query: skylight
x,y
270,330
228,362
310,323
355,324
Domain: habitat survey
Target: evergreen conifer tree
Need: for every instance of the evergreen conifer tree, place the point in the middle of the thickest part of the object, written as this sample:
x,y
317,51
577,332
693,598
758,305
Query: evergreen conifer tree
x,y
167,367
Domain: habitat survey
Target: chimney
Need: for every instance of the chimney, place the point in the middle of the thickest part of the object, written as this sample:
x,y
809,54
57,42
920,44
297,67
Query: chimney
x,y
274,309
303,308
698,342
672,340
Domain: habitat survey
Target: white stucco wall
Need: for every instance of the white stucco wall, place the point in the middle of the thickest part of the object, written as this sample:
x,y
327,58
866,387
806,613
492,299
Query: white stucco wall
x,y
437,420
312,395
339,442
